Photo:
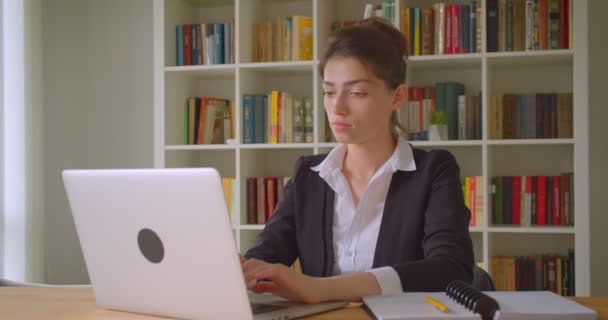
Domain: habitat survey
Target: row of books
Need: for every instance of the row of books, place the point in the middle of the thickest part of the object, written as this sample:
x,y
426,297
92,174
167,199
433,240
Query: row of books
x,y
518,25
277,117
473,199
530,116
288,39
533,200
385,10
263,194
535,273
442,29
446,104
229,186
210,43
208,120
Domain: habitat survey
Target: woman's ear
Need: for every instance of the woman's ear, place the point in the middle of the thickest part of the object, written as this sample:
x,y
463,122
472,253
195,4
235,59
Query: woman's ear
x,y
399,96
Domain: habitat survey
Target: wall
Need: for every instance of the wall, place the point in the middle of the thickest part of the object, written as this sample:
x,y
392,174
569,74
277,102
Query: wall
x,y
598,145
98,103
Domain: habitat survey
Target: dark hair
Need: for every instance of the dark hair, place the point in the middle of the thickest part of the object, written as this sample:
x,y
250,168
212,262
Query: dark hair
x,y
376,44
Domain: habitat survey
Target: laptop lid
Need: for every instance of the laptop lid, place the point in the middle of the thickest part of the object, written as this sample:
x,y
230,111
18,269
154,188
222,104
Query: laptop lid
x,y
158,241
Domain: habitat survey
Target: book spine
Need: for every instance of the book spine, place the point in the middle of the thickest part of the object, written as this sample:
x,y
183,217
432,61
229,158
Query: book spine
x,y
308,121
251,201
492,28
260,200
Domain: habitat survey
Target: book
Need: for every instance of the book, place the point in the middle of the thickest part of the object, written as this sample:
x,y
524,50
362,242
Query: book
x,y
465,302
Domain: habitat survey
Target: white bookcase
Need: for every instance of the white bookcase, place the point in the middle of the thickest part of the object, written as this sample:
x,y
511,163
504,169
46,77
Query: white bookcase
x,y
506,72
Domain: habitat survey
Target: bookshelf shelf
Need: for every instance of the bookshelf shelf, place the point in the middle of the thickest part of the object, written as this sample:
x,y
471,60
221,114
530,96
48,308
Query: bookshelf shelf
x,y
200,147
262,146
208,70
516,229
251,227
491,73
279,67
446,61
526,58
523,142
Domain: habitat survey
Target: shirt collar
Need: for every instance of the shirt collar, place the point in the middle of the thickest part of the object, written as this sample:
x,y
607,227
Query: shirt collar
x,y
402,159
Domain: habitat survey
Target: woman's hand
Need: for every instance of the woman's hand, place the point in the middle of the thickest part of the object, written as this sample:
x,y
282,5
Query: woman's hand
x,y
281,280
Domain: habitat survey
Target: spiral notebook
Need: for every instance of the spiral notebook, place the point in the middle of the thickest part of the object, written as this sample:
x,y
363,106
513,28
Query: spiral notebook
x,y
467,303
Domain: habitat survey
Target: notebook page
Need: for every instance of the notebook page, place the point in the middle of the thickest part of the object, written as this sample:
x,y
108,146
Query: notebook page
x,y
412,306
535,305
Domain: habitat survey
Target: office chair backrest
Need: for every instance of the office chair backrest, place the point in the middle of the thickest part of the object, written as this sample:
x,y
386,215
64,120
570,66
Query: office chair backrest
x,y
482,280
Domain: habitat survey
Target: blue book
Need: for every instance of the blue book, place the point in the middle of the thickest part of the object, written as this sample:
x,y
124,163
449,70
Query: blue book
x,y
248,118
464,32
218,43
259,116
227,41
472,27
179,36
195,43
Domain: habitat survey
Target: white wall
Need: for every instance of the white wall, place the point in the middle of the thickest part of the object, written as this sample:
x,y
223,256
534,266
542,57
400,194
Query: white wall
x,y
34,116
598,146
1,142
98,102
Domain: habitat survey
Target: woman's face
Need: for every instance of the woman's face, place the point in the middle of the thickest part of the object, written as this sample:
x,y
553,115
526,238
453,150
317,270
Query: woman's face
x,y
358,104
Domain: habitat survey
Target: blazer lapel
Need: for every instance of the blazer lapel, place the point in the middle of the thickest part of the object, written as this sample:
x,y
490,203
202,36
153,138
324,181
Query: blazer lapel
x,y
328,221
390,219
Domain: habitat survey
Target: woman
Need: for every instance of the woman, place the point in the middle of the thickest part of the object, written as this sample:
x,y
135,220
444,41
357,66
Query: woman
x,y
374,216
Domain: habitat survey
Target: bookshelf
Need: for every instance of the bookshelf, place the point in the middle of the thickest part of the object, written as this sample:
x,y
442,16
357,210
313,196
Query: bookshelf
x,y
490,72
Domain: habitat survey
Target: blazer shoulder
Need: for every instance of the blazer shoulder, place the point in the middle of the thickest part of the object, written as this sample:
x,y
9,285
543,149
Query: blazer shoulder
x,y
432,159
305,163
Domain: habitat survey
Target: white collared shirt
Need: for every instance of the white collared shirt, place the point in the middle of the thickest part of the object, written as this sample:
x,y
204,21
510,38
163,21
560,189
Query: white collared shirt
x,y
355,229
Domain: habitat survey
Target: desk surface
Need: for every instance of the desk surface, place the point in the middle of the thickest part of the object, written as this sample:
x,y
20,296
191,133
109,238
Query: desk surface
x,y
72,304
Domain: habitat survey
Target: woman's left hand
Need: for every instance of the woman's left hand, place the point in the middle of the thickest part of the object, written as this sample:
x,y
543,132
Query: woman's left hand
x,y
281,280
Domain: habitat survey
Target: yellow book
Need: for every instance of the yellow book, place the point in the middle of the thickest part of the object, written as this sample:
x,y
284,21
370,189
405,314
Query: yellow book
x,y
467,193
227,192
274,120
304,30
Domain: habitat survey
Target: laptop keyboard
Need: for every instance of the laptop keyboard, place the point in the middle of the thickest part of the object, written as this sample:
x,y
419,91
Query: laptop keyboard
x,y
258,308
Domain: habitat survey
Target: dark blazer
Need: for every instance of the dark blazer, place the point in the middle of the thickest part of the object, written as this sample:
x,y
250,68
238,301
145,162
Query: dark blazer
x,y
423,234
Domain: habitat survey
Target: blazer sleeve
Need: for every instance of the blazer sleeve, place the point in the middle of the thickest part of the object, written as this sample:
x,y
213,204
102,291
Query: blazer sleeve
x,y
277,242
447,246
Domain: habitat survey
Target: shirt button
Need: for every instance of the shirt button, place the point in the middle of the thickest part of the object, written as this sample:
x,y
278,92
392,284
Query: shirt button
x,y
348,254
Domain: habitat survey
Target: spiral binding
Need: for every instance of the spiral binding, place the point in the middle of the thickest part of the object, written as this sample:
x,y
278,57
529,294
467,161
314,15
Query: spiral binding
x,y
472,299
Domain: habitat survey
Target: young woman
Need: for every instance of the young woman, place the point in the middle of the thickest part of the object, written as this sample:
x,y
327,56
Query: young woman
x,y
374,216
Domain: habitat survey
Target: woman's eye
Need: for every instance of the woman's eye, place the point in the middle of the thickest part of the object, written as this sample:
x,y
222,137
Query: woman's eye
x,y
357,94
328,93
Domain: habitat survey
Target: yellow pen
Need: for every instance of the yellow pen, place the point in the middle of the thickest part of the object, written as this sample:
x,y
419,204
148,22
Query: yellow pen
x,y
440,306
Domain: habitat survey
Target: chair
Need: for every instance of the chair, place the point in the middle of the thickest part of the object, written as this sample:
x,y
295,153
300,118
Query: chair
x,y
482,280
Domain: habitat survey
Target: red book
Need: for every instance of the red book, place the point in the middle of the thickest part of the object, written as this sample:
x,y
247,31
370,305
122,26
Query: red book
x,y
543,24
271,196
557,206
541,200
566,205
472,202
417,96
456,28
261,200
564,17
516,203
187,44
447,34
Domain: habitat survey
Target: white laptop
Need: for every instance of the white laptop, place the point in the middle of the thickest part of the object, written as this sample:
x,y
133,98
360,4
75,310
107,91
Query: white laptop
x,y
159,241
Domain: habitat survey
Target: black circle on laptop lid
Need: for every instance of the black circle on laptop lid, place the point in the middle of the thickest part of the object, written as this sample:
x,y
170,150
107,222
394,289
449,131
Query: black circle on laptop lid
x,y
150,245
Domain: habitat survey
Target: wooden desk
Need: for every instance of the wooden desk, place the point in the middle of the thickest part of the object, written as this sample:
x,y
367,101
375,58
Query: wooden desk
x,y
78,304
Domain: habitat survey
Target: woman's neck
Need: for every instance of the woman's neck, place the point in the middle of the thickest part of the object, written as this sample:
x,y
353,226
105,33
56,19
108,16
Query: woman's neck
x,y
364,159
